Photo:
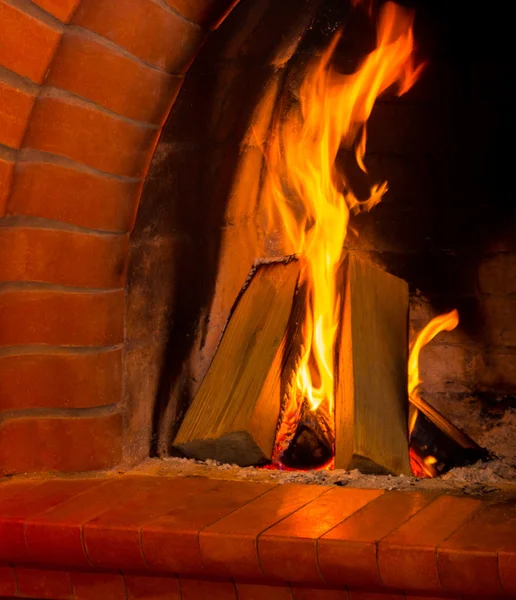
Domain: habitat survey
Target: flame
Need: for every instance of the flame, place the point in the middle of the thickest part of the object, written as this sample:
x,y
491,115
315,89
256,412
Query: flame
x,y
308,203
423,467
445,322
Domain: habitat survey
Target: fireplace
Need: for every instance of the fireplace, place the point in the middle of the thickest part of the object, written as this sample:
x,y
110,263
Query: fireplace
x,y
193,243
130,171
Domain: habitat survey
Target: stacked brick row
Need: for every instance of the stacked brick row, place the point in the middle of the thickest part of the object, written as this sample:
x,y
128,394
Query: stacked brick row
x,y
85,87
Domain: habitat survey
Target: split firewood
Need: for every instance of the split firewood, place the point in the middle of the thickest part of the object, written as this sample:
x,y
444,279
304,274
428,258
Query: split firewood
x,y
234,415
371,400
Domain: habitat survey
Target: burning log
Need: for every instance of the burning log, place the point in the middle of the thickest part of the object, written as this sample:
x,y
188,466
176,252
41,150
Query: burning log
x,y
311,446
436,445
446,427
371,402
234,415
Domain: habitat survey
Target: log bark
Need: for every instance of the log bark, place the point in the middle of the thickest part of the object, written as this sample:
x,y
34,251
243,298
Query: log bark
x,y
371,400
234,415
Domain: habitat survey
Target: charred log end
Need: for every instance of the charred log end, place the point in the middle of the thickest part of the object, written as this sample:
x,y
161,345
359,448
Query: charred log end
x,y
309,449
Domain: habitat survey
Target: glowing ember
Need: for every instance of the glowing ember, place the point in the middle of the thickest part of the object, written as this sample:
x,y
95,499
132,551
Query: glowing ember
x,y
424,467
308,202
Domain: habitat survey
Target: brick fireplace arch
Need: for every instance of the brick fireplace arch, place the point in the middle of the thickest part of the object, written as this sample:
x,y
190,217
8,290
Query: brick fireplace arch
x,y
85,88
88,263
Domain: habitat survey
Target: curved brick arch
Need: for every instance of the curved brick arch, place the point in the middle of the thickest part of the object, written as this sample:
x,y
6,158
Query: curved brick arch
x,y
85,87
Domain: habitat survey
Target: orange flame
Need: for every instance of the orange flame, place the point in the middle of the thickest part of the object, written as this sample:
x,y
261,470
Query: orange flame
x,y
308,202
445,322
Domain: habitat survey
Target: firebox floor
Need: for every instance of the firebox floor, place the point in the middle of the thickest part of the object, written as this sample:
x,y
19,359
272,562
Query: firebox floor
x,y
481,479
116,536
495,477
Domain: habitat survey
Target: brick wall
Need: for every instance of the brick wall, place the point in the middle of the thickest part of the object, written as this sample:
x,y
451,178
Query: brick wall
x,y
85,88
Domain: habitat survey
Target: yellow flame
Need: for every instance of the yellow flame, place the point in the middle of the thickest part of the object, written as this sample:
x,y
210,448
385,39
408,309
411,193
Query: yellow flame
x,y
445,322
308,202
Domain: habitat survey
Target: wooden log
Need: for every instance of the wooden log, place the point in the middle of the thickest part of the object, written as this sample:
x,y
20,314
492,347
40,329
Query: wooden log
x,y
441,422
234,415
371,400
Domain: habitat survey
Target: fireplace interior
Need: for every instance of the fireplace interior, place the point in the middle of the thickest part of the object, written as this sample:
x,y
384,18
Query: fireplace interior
x,y
444,225
136,151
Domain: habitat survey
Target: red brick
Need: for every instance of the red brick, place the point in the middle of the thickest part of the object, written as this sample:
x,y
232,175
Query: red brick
x,y
407,557
42,316
347,554
112,540
41,583
60,379
52,255
15,510
32,444
94,69
76,196
288,550
7,581
9,489
95,586
16,102
171,543
73,128
55,535
473,597
28,41
229,546
440,597
306,593
62,9
250,591
203,12
355,595
142,587
6,177
507,570
192,589
144,28
468,560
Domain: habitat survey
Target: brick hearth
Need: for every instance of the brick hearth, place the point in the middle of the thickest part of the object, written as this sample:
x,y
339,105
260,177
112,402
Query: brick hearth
x,y
137,536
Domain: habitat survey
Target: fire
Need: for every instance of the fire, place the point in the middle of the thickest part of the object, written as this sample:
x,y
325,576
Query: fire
x,y
308,203
445,322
